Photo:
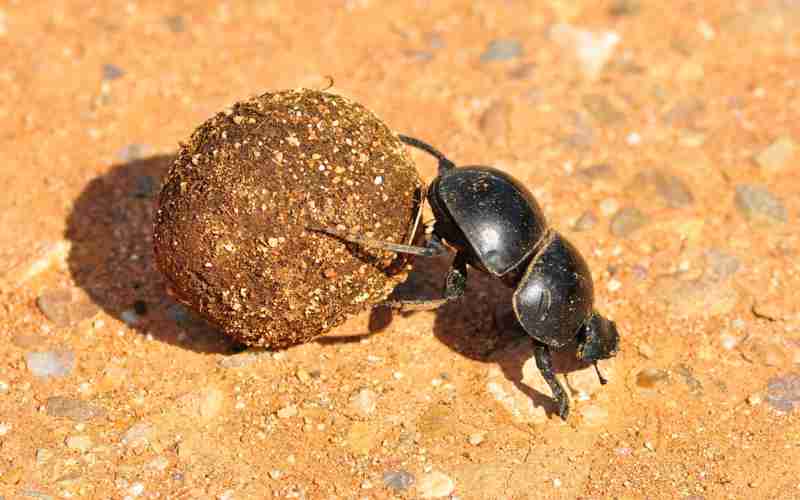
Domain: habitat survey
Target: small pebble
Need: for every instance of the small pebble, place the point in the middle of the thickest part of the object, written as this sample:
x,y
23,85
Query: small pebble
x,y
158,463
646,351
73,409
728,341
43,455
783,393
585,222
720,265
138,435
476,438
594,415
609,206
176,24
625,7
136,489
613,285
501,50
398,480
757,203
649,378
112,72
50,363
66,306
777,155
364,403
243,359
287,411
556,483
590,50
627,221
435,485
601,109
4,428
130,317
754,399
80,443
667,186
132,152
275,474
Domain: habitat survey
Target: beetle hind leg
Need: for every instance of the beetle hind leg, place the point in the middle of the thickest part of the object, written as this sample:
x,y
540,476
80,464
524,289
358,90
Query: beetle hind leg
x,y
455,285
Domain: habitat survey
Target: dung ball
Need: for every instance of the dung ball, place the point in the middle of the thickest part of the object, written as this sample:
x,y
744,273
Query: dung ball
x,y
232,233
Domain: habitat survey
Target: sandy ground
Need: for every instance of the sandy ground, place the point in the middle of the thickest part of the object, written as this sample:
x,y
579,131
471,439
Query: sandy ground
x,y
660,137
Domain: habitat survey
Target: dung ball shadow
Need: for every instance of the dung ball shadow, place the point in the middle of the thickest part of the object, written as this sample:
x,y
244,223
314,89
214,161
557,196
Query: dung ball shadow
x,y
111,230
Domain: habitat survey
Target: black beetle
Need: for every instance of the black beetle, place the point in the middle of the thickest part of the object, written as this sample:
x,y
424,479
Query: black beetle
x,y
495,225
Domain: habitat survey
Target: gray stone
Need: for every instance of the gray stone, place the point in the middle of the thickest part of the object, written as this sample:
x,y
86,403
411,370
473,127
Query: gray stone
x,y
501,50
757,203
668,186
398,480
783,393
627,221
112,72
50,363
73,409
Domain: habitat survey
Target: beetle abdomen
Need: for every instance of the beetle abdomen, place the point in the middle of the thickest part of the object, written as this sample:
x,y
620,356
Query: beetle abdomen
x,y
498,216
554,297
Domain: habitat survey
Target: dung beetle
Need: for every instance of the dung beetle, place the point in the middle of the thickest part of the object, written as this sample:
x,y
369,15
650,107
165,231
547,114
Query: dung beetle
x,y
494,224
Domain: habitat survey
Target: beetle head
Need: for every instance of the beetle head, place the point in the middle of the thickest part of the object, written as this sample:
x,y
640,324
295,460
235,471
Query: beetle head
x,y
598,339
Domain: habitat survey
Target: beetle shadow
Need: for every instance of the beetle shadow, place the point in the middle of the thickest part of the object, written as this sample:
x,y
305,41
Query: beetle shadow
x,y
480,326
111,231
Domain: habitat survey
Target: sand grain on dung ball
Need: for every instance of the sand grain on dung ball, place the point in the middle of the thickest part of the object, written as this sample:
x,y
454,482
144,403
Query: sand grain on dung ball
x,y
231,229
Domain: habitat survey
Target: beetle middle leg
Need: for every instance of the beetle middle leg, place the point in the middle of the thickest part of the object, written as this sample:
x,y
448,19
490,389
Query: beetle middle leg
x,y
544,361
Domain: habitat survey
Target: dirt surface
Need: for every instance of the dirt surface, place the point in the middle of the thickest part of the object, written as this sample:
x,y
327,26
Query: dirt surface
x,y
661,138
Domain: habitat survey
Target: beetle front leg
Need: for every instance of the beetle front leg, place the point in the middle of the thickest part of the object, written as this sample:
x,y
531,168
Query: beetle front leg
x,y
544,361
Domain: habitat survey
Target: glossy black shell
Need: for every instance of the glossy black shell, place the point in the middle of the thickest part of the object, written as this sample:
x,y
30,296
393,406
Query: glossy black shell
x,y
496,215
555,296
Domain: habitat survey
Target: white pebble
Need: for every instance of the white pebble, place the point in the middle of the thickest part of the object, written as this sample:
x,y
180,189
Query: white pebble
x,y
378,180
287,411
3,386
609,206
435,485
556,483
476,438
397,375
728,341
614,285
136,490
633,139
4,428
